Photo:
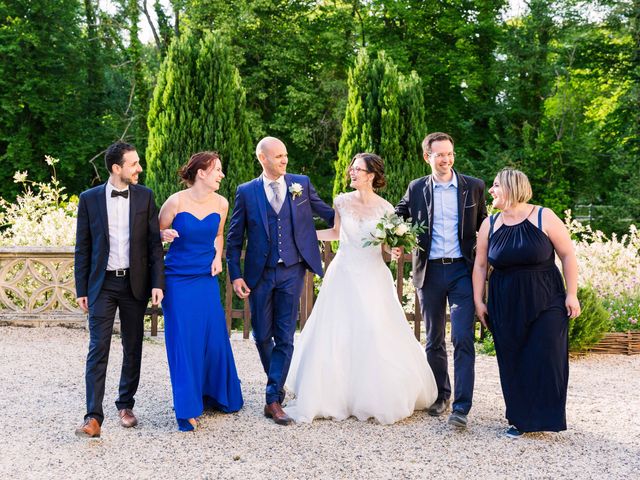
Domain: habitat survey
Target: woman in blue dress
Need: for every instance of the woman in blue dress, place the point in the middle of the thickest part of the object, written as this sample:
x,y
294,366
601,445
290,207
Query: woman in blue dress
x,y
201,365
528,306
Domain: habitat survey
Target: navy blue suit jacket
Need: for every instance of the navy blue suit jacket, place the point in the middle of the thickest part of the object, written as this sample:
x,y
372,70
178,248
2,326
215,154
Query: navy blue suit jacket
x,y
146,264
250,218
417,204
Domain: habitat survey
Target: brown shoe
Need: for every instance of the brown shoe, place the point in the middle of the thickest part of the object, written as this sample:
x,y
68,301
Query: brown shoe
x,y
274,410
127,418
89,429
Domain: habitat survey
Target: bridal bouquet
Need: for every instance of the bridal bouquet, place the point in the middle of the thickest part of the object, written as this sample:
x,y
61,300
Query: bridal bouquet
x,y
393,231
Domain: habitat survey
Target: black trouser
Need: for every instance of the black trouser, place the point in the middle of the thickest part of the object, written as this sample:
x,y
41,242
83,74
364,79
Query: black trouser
x,y
115,293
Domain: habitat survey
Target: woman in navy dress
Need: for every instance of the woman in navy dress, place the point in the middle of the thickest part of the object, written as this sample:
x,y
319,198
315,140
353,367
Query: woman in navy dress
x,y
528,307
201,365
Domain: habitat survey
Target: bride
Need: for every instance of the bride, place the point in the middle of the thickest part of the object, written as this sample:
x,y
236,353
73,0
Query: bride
x,y
356,355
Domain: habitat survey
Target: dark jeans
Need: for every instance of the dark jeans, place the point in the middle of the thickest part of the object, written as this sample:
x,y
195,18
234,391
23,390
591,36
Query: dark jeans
x,y
115,293
450,282
274,312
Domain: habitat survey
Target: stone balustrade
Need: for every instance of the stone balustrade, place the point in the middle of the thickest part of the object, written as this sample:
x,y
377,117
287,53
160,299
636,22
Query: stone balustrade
x,y
37,287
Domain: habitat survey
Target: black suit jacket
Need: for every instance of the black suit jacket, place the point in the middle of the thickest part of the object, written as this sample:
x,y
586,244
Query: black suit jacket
x,y
417,204
146,264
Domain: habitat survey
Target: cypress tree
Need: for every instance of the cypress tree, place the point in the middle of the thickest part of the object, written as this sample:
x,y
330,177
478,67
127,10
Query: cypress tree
x,y
140,98
413,129
198,104
385,115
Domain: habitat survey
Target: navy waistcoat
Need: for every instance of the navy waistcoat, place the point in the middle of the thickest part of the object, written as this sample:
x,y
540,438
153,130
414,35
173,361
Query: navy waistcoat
x,y
281,242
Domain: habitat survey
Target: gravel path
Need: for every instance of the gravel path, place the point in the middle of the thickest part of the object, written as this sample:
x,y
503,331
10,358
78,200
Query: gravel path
x,y
42,401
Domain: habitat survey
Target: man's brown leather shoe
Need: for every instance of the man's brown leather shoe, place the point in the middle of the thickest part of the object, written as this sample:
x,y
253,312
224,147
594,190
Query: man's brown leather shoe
x,y
127,418
274,410
89,429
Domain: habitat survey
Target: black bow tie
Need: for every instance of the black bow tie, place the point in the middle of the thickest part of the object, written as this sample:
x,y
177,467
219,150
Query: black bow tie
x,y
123,193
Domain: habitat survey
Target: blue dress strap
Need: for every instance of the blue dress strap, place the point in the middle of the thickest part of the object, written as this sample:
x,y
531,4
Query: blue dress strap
x,y
540,217
492,222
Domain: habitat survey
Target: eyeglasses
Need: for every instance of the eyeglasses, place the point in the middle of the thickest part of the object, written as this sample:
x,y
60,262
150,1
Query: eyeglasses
x,y
440,156
358,169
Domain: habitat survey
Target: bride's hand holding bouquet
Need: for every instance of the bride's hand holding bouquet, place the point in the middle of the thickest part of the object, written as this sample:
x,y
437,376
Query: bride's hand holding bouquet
x,y
394,232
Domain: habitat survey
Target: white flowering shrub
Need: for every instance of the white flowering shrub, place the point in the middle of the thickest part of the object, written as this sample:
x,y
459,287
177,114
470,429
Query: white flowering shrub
x,y
42,215
611,266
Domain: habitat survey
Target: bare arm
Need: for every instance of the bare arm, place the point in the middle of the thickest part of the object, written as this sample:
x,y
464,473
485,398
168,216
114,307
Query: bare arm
x,y
330,234
168,212
480,267
561,240
218,243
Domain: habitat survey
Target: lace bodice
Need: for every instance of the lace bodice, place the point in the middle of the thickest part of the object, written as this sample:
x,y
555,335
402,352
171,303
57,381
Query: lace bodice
x,y
356,226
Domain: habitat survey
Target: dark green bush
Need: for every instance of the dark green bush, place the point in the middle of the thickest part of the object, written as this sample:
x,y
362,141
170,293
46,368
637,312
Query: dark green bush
x,y
592,323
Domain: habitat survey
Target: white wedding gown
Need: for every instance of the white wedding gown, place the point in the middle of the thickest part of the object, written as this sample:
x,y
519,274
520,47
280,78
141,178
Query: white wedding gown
x,y
357,355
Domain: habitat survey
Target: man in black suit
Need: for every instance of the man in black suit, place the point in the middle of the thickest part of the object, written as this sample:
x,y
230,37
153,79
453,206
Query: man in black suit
x,y
453,207
118,264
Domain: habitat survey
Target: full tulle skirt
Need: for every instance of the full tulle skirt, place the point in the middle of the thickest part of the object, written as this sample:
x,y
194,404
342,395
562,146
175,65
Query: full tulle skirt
x,y
357,355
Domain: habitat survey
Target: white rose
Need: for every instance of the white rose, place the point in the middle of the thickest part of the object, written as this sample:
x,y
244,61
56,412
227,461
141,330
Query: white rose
x,y
401,229
379,233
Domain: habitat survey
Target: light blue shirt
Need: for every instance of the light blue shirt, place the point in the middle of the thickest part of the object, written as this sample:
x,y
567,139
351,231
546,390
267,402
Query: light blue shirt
x,y
444,234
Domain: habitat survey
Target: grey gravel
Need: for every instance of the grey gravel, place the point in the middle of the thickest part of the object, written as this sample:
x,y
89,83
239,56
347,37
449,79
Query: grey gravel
x,y
42,401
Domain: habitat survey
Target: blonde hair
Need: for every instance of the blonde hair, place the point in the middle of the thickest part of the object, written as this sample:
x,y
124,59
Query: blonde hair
x,y
515,185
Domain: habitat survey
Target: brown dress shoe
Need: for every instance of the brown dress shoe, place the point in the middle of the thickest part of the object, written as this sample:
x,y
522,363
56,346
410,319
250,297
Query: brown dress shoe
x,y
274,410
127,418
89,429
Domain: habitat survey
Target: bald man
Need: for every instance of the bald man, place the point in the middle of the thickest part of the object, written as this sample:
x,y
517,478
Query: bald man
x,y
275,213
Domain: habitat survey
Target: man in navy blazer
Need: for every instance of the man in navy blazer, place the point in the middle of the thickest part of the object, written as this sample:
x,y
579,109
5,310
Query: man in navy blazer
x,y
275,213
118,264
453,207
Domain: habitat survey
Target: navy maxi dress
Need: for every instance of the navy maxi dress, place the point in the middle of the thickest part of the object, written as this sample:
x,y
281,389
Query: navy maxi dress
x,y
529,323
201,365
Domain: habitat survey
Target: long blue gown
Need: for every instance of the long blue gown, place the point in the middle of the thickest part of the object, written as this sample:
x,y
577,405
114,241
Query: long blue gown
x,y
201,365
529,324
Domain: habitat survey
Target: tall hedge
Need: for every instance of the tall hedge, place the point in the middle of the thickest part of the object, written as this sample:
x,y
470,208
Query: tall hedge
x,y
385,115
198,104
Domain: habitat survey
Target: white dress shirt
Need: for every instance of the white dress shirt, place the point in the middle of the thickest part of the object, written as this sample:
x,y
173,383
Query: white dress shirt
x,y
118,214
269,191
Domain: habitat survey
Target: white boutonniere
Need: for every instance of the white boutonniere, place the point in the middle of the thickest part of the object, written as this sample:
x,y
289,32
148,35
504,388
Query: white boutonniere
x,y
295,190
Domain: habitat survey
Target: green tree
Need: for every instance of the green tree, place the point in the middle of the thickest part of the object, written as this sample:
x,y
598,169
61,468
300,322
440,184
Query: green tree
x,y
384,115
140,98
43,92
293,58
198,104
622,128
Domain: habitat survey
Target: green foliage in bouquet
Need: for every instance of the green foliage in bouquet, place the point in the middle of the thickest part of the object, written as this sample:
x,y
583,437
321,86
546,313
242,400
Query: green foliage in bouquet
x,y
592,323
393,231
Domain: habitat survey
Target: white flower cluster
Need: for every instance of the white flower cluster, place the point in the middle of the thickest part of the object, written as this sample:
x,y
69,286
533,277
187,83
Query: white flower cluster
x,y
42,215
610,265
